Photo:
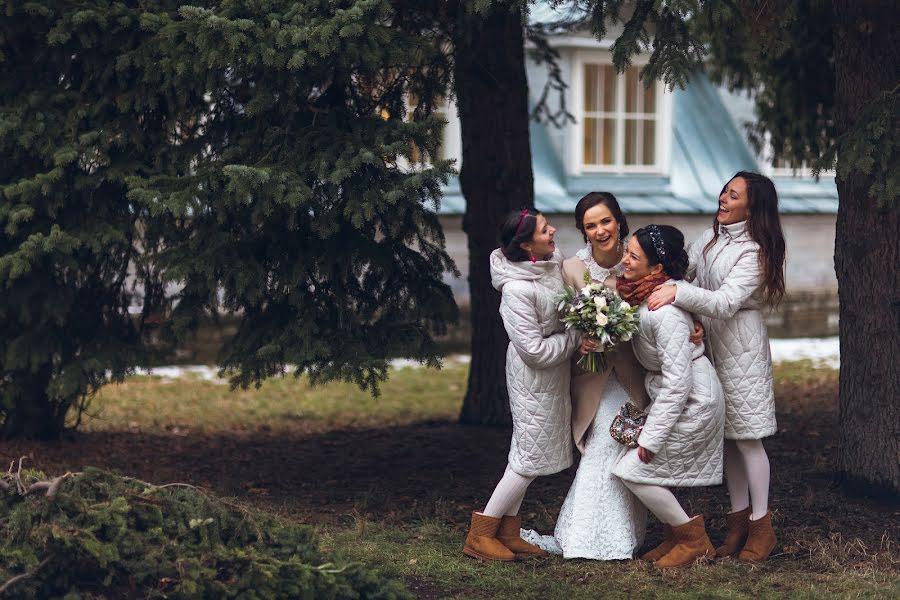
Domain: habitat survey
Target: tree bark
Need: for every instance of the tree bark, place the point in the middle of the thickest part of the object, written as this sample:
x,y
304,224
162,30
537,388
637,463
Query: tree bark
x,y
33,414
495,177
866,255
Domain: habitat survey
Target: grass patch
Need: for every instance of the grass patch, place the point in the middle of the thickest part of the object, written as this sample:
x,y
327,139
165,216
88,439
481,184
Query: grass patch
x,y
153,403
410,395
430,553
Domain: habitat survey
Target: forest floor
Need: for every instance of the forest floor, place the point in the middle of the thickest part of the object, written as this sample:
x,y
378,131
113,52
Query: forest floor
x,y
392,481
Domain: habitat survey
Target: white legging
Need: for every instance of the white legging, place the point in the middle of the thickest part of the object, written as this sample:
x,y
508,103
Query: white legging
x,y
747,476
508,495
660,501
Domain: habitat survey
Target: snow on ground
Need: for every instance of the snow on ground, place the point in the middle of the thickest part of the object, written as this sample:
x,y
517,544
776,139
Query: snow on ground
x,y
821,351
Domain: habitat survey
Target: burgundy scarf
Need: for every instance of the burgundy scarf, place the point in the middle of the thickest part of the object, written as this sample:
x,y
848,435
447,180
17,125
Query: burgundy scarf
x,y
635,292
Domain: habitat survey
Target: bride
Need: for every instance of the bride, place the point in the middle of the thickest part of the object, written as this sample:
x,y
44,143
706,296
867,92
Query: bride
x,y
600,518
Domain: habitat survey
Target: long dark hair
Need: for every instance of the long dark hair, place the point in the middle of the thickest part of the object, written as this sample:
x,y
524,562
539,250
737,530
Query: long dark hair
x,y
674,258
517,227
591,200
764,227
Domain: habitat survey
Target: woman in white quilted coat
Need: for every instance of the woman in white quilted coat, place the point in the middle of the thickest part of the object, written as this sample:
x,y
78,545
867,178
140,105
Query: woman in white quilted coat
x,y
680,445
737,267
526,272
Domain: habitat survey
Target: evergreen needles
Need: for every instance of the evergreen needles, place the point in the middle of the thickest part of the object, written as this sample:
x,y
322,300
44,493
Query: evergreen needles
x,y
106,536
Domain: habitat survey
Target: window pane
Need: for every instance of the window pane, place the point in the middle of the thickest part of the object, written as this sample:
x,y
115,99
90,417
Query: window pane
x,y
610,81
609,142
649,142
631,89
591,84
590,141
631,141
649,98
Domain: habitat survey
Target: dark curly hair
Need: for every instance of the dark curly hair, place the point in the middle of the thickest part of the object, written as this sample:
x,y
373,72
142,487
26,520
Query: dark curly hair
x,y
591,200
517,227
674,259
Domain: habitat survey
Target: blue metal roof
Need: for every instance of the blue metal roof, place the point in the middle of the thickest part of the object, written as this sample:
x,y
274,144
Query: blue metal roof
x,y
707,149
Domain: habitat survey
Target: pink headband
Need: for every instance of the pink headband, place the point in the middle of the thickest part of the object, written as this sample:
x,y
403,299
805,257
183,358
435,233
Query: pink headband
x,y
521,220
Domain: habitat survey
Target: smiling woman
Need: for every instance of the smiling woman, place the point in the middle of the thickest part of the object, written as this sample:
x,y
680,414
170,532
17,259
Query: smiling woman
x,y
526,272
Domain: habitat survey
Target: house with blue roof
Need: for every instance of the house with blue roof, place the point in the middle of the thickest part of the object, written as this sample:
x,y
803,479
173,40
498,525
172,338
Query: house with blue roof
x,y
665,155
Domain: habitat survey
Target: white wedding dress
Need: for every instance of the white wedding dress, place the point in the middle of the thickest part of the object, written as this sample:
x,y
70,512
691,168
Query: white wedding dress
x,y
599,519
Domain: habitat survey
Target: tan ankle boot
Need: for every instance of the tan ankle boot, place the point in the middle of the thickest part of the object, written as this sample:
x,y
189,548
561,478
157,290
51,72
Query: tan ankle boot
x,y
691,543
667,544
508,534
760,540
738,524
482,542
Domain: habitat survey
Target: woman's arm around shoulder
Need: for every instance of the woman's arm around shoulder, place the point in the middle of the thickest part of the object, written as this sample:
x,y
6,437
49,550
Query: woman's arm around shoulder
x,y
741,282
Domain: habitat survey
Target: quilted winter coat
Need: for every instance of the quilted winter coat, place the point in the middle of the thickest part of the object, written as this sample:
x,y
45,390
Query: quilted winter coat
x,y
727,296
687,409
537,363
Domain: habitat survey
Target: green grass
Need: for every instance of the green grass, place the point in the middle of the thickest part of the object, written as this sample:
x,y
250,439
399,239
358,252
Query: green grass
x,y
429,551
153,403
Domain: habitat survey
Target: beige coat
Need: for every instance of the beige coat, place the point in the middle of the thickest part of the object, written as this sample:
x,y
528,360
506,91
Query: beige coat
x,y
587,388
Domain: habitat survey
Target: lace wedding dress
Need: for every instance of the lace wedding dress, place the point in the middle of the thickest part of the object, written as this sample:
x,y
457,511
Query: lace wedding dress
x,y
600,519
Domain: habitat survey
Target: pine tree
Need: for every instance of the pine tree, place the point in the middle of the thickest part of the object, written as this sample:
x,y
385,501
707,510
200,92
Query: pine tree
x,y
257,155
304,212
78,116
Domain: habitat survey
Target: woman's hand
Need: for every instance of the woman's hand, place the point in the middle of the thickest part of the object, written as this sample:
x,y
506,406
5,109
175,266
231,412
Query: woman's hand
x,y
645,455
698,334
589,345
662,295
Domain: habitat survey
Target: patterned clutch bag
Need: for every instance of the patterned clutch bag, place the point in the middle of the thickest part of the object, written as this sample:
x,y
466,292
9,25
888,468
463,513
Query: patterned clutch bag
x,y
626,426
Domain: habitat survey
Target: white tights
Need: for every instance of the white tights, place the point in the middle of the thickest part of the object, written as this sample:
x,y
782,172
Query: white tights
x,y
660,501
747,476
508,495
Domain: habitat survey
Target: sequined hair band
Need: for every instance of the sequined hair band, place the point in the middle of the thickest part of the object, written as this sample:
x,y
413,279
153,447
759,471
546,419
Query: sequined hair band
x,y
656,238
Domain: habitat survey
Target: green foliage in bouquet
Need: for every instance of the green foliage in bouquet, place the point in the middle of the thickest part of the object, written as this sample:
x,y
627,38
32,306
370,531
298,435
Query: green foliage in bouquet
x,y
100,535
600,313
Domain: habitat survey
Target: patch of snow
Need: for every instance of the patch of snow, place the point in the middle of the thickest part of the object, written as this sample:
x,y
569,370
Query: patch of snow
x,y
821,351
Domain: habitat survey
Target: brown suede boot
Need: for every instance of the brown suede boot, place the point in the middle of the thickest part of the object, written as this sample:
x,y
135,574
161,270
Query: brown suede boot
x,y
760,540
691,543
667,544
738,524
482,542
508,534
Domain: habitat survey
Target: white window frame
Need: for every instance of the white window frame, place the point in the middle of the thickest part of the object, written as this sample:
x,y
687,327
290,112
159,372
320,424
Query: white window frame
x,y
663,143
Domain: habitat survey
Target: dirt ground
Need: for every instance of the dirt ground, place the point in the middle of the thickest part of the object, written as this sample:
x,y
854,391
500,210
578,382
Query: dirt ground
x,y
443,470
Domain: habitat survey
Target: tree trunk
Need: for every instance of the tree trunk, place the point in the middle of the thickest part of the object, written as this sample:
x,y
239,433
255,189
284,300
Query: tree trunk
x,y
495,177
33,415
866,255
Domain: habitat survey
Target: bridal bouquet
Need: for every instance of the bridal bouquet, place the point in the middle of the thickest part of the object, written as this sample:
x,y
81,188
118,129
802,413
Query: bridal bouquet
x,y
598,312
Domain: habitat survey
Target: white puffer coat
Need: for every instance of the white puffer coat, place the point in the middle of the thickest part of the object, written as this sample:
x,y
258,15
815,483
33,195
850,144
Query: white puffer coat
x,y
727,295
687,409
537,367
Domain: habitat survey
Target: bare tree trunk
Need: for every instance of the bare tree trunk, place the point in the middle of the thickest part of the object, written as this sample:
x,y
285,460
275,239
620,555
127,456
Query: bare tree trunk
x,y
32,414
866,255
496,177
